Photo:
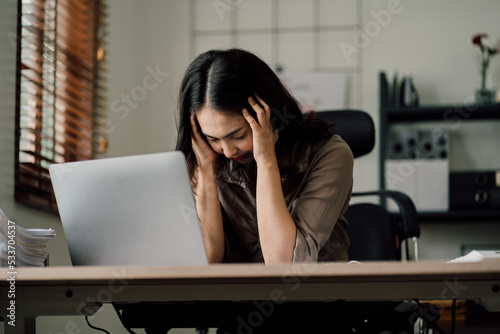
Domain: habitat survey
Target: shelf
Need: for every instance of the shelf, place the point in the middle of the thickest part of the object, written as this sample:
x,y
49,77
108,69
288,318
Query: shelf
x,y
461,215
452,114
443,113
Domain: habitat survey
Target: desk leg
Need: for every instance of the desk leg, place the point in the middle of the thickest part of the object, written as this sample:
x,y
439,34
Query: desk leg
x,y
23,325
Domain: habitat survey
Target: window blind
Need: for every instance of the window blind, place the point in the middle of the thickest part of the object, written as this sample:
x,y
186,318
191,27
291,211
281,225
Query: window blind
x,y
60,93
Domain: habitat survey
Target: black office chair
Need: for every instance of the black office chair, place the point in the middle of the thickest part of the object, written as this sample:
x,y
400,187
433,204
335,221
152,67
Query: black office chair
x,y
375,233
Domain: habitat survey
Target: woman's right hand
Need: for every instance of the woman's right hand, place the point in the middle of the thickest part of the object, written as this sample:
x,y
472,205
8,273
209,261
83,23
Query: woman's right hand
x,y
205,155
206,196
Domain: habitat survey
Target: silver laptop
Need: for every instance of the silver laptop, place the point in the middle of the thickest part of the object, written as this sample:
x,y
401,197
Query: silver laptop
x,y
134,210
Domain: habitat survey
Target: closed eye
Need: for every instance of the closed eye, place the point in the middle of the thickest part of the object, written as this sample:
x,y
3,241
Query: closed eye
x,y
214,140
232,133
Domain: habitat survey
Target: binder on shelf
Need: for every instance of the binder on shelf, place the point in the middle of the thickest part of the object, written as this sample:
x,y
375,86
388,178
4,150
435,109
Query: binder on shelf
x,y
400,93
489,179
475,190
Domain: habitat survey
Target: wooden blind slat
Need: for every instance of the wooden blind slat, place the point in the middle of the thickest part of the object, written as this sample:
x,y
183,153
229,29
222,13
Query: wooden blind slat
x,y
34,66
34,77
61,99
75,108
76,65
73,95
81,135
32,137
38,4
33,21
80,88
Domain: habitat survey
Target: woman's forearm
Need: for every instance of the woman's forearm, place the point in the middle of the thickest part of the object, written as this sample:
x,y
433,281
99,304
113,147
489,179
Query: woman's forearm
x,y
209,214
277,229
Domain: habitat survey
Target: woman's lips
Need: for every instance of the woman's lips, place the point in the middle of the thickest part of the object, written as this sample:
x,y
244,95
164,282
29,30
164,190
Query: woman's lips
x,y
241,157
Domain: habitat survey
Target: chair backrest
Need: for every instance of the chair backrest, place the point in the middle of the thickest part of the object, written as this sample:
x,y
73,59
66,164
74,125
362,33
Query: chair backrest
x,y
354,126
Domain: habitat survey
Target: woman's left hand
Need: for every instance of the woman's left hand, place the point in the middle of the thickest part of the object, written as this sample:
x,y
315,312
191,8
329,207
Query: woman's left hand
x,y
264,137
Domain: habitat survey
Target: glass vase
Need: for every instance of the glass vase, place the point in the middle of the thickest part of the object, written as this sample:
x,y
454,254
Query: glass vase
x,y
485,96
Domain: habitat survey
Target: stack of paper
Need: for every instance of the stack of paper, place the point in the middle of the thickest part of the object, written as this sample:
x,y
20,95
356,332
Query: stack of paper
x,y
22,247
477,255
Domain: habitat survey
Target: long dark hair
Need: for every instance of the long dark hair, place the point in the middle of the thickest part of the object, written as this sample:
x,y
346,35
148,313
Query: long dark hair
x,y
225,79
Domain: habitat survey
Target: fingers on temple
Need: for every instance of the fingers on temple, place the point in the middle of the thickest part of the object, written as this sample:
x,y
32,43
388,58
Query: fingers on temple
x,y
194,127
251,121
263,104
259,109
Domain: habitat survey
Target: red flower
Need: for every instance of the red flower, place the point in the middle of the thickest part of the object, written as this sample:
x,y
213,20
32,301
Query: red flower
x,y
488,48
476,39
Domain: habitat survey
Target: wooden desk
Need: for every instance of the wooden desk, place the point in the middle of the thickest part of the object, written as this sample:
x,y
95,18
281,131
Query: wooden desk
x,y
82,290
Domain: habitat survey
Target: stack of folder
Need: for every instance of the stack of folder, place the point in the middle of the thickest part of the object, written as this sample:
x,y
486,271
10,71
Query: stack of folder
x,y
21,247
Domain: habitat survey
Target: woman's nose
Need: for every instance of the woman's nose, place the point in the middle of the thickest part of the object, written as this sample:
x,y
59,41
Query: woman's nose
x,y
229,150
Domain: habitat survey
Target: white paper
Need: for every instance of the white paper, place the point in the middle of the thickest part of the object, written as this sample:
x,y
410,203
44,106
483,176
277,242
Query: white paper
x,y
476,256
317,90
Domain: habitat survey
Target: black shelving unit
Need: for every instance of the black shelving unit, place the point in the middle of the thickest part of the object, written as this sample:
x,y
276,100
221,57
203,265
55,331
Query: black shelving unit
x,y
460,215
391,115
442,113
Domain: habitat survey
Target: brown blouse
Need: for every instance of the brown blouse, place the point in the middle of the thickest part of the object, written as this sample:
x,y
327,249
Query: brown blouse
x,y
317,188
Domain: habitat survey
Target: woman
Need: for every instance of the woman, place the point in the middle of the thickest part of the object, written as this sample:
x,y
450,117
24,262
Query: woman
x,y
270,184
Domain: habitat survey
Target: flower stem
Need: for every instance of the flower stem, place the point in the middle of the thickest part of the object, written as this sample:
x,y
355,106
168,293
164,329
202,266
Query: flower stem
x,y
485,61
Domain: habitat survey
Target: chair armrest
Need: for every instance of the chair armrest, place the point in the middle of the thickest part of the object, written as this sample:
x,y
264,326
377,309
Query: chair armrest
x,y
410,226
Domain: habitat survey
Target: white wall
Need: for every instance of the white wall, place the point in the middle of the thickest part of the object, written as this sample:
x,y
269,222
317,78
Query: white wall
x,y
427,39
145,36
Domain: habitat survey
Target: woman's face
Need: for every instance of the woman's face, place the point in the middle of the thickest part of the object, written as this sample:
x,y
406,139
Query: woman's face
x,y
230,135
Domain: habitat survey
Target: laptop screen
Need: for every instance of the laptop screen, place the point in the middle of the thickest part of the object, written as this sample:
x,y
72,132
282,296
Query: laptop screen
x,y
134,210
